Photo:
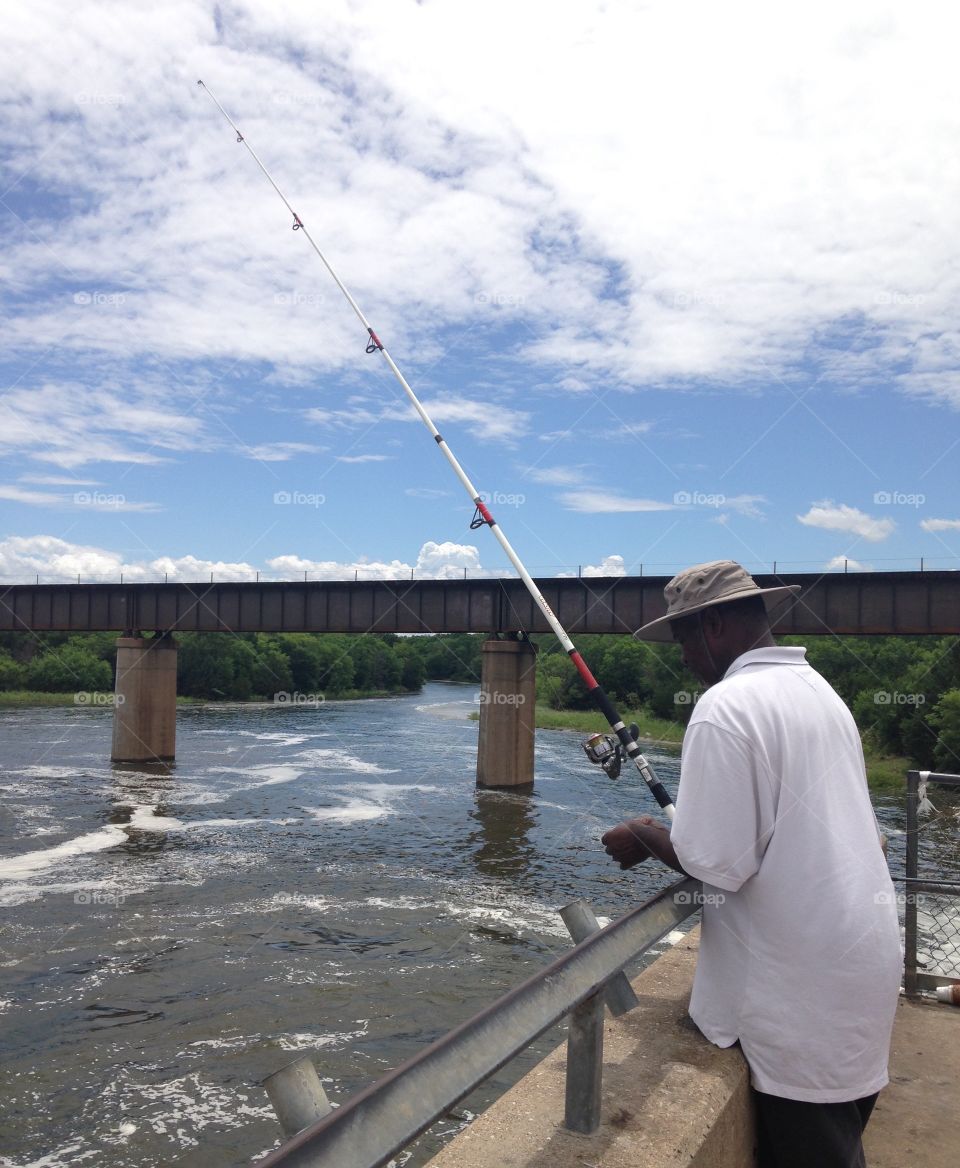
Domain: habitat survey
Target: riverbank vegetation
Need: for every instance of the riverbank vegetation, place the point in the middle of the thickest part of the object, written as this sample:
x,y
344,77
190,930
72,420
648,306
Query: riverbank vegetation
x,y
904,691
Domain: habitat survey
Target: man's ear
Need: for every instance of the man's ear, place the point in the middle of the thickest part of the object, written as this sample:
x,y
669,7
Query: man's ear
x,y
712,622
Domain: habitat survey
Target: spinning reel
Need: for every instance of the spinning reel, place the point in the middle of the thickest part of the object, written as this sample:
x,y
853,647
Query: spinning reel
x,y
607,751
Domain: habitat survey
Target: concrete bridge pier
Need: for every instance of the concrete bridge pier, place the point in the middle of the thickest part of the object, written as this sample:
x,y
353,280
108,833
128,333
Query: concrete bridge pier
x,y
145,699
508,697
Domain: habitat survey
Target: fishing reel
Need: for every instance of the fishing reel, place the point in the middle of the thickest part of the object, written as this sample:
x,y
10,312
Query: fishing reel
x,y
607,751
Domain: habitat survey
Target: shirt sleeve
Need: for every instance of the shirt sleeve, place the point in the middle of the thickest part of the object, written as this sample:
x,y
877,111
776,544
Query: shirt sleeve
x,y
726,807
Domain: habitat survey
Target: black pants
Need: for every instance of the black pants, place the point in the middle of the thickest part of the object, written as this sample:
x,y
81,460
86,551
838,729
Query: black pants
x,y
791,1134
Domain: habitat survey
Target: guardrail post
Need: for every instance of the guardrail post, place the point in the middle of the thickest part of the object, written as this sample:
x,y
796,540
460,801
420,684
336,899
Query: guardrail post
x,y
581,923
584,1066
297,1095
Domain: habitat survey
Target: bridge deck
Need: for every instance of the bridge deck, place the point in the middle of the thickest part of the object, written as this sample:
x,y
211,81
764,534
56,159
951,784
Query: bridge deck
x,y
841,603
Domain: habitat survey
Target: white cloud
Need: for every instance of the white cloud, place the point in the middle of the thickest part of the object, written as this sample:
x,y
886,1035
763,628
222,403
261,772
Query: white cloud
x,y
83,499
609,566
746,505
450,200
845,564
557,476
840,517
280,451
599,501
23,558
425,493
70,424
363,457
940,524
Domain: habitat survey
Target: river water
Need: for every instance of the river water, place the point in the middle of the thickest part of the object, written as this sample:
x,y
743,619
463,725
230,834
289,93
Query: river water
x,y
306,879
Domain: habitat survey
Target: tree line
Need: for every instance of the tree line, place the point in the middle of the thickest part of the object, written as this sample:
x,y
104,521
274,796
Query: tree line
x,y
904,691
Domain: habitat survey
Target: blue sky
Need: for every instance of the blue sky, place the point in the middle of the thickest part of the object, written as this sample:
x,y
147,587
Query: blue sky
x,y
676,283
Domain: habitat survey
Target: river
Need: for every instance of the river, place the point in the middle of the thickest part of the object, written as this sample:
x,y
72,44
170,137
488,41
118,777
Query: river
x,y
323,879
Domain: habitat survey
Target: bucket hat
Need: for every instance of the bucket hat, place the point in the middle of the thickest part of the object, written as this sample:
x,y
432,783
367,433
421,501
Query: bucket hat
x,y
705,585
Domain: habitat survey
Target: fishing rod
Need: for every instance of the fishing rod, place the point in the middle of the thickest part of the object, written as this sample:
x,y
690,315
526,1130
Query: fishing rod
x,y
606,750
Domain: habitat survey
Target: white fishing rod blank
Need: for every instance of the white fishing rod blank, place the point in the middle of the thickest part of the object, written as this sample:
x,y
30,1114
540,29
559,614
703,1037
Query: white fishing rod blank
x,y
482,515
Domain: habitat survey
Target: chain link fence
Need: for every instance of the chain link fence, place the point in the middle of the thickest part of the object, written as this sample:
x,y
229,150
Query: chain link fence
x,y
931,904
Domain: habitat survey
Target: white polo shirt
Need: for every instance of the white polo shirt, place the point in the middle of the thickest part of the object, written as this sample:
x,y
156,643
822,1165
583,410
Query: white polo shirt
x,y
800,946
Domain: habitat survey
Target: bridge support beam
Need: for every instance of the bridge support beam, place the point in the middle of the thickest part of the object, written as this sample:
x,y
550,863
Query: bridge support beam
x,y
145,702
508,697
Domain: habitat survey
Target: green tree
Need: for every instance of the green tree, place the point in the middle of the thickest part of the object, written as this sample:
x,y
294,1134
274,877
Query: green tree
x,y
12,673
945,719
67,669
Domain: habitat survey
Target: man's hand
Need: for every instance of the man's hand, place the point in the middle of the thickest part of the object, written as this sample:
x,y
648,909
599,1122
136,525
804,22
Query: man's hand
x,y
637,840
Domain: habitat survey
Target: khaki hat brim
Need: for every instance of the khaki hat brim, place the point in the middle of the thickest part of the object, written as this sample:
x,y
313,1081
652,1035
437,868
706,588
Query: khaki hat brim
x,y
659,629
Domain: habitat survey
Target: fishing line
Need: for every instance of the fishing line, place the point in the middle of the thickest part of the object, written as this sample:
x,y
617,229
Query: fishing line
x,y
625,742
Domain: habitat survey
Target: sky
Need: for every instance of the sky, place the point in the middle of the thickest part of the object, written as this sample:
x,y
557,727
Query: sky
x,y
676,282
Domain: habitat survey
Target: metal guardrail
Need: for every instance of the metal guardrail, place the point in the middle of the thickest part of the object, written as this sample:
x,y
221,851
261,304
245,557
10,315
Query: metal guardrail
x,y
382,1119
934,940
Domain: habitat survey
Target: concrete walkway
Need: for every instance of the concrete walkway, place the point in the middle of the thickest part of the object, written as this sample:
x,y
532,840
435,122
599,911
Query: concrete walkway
x,y
917,1121
670,1098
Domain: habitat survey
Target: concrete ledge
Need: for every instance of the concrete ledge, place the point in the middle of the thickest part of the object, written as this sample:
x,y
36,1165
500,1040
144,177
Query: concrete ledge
x,y
669,1096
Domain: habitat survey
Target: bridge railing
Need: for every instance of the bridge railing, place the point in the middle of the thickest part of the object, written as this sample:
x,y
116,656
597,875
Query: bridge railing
x,y
376,1123
931,914
614,566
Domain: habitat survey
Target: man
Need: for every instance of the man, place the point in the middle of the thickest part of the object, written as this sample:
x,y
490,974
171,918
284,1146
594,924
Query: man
x,y
800,946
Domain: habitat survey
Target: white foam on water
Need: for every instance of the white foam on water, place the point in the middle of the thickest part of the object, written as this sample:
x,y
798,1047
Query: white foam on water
x,y
350,811
315,1041
33,863
49,772
409,902
268,774
300,900
54,1159
146,819
241,822
328,759
189,1104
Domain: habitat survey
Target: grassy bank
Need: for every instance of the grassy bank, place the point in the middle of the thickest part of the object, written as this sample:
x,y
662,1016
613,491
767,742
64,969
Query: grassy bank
x,y
652,729
884,773
31,697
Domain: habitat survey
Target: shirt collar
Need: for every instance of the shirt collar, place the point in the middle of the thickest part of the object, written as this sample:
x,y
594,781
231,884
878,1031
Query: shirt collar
x,y
775,655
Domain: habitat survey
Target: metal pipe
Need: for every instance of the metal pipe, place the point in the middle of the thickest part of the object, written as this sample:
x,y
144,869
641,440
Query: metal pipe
x,y
581,924
584,1080
297,1095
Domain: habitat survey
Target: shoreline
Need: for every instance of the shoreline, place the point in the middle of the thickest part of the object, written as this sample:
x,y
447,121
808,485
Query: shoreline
x,y
884,772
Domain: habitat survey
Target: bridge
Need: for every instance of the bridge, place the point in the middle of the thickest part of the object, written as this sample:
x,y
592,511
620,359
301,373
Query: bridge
x,y
144,725
841,603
